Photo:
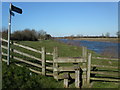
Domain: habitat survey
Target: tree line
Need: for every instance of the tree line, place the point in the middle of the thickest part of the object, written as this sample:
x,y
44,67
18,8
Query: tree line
x,y
27,35
106,35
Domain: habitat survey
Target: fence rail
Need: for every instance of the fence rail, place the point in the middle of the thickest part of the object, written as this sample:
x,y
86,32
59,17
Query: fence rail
x,y
103,58
112,67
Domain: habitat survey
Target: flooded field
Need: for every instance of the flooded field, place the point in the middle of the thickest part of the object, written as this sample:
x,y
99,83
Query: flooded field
x,y
104,48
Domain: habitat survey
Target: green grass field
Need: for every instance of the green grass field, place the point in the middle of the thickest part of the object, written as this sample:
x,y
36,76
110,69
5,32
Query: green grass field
x,y
64,50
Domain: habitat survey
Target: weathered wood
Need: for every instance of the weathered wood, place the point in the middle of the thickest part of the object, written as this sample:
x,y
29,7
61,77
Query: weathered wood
x,y
27,62
43,61
93,65
4,40
102,58
55,64
77,78
84,52
69,60
49,61
4,47
4,54
105,79
27,55
26,47
65,68
4,60
88,69
105,73
66,77
65,83
47,53
49,68
84,75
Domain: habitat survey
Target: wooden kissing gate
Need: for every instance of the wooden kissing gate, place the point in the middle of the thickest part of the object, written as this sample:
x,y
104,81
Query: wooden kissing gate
x,y
80,70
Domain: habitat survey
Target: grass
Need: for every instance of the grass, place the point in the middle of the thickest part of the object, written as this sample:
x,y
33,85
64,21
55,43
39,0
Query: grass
x,y
21,77
64,50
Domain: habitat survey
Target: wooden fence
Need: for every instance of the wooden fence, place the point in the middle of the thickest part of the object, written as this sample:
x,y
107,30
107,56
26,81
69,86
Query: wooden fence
x,y
80,70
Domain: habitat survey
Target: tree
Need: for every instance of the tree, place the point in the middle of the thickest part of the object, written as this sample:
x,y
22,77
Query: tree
x,y
48,36
107,34
26,34
41,34
118,33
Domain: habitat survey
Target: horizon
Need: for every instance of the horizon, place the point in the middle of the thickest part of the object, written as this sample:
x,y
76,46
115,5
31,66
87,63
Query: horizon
x,y
61,19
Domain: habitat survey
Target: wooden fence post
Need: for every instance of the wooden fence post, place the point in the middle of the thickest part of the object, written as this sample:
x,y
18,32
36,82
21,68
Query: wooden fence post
x,y
88,69
77,76
84,67
66,77
84,52
55,64
43,61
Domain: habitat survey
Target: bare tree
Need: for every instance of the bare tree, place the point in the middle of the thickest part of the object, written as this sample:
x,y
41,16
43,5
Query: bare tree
x,y
107,34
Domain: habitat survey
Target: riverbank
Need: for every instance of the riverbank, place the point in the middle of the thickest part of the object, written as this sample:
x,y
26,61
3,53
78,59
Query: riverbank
x,y
115,40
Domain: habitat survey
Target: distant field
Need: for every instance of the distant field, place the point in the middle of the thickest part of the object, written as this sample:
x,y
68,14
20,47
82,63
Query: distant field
x,y
99,39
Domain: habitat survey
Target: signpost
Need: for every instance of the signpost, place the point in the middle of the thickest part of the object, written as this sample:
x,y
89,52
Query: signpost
x,y
18,10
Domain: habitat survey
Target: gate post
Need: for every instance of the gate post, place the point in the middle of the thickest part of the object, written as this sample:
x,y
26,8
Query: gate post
x,y
84,67
77,76
88,69
55,64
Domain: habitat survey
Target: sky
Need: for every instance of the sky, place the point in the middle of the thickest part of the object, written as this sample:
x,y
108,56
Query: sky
x,y
64,18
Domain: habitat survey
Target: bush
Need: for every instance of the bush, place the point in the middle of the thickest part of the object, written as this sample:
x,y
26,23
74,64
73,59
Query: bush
x,y
25,35
18,77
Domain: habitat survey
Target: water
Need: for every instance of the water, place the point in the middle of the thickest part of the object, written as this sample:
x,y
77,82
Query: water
x,y
97,46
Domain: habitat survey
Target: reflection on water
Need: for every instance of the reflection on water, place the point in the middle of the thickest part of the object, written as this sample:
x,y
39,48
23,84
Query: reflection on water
x,y
104,48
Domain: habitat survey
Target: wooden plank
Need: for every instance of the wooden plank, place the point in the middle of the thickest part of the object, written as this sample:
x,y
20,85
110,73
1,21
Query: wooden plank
x,y
4,40
65,83
49,74
69,60
77,78
4,54
84,52
105,73
93,65
29,48
4,47
50,68
4,60
49,53
27,55
102,58
49,61
67,68
105,79
88,69
35,71
27,62
43,61
55,64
